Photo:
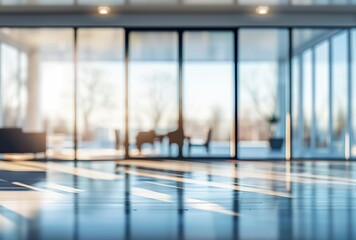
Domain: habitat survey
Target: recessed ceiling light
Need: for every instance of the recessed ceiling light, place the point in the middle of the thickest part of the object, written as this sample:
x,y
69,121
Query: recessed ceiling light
x,y
104,10
262,10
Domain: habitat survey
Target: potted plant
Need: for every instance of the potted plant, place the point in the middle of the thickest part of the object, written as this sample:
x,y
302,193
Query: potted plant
x,y
275,143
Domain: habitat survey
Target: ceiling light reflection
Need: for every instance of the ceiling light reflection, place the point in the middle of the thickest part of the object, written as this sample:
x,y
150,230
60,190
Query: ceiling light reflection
x,y
104,10
262,10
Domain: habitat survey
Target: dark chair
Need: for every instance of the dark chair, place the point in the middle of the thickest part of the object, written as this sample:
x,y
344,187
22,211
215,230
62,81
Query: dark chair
x,y
205,144
145,137
13,140
117,139
176,137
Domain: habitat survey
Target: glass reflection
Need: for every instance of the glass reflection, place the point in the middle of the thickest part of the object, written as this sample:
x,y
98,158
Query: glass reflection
x,y
353,96
307,95
208,70
339,93
37,105
263,62
323,103
101,93
184,205
153,91
322,96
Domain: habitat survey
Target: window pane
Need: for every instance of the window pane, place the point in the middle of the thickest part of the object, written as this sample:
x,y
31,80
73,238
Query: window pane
x,y
101,97
322,89
37,66
307,96
263,63
153,91
208,80
296,107
325,91
11,86
353,72
339,93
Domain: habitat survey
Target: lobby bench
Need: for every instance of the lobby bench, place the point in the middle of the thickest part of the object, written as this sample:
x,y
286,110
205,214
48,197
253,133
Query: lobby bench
x,y
13,140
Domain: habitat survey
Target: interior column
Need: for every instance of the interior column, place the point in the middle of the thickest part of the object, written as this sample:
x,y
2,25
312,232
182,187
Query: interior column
x,y
33,112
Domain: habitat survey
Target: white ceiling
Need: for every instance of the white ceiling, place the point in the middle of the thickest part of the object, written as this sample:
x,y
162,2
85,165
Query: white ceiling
x,y
188,2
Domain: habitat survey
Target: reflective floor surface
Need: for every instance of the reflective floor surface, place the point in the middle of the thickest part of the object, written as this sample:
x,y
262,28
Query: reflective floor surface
x,y
132,199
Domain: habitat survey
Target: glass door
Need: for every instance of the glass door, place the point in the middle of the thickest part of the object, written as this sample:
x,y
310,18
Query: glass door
x,y
101,93
153,92
208,93
263,83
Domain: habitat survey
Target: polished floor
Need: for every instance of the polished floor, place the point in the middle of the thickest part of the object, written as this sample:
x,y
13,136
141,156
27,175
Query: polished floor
x,y
132,199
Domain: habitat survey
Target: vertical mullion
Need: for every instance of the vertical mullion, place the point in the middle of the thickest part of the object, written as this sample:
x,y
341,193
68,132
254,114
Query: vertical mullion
x,y
289,91
236,92
75,132
331,93
1,88
180,78
180,83
313,123
301,101
349,94
19,83
127,32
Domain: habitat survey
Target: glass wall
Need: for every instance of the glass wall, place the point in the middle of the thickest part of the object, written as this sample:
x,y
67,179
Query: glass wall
x,y
297,127
263,64
101,96
153,92
307,95
37,81
339,92
322,106
208,83
13,99
37,85
322,91
352,107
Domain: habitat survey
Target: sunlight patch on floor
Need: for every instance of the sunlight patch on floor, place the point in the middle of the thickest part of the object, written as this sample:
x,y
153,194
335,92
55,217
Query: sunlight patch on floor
x,y
80,172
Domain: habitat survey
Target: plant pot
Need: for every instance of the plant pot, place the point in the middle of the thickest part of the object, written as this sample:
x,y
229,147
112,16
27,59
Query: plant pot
x,y
276,143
